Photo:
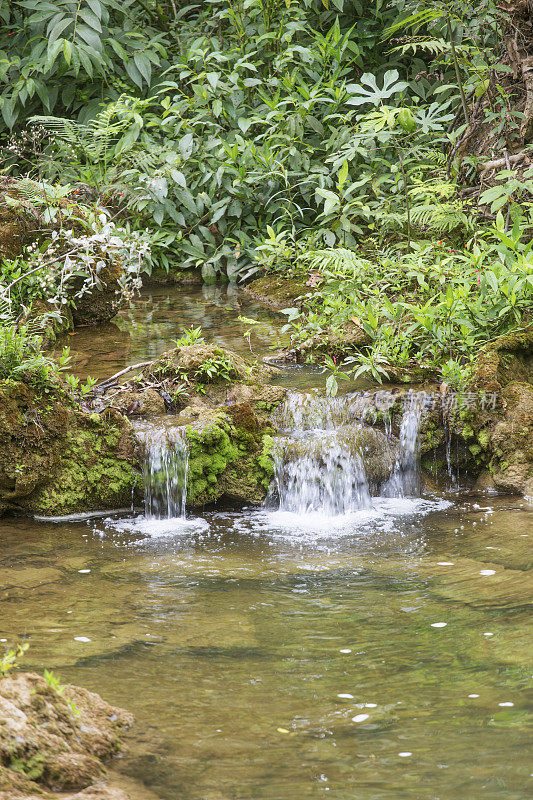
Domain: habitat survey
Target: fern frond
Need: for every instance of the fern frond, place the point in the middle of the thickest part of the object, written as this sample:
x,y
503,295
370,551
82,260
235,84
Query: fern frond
x,y
441,217
434,46
433,189
339,259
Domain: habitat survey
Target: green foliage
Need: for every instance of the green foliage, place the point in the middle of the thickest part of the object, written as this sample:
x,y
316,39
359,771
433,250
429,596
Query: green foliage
x,y
431,308
55,683
267,115
9,661
190,336
71,55
21,357
216,368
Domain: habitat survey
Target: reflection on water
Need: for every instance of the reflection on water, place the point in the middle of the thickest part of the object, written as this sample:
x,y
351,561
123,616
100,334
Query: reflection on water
x,y
161,314
264,661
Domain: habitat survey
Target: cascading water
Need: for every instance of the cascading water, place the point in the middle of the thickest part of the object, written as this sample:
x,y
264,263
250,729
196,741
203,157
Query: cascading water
x,y
165,471
405,480
319,473
328,461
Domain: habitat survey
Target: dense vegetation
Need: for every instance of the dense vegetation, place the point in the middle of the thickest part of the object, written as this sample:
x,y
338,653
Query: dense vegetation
x,y
379,150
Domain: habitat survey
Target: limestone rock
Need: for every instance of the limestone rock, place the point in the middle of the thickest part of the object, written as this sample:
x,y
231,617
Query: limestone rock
x,y
508,358
56,739
512,439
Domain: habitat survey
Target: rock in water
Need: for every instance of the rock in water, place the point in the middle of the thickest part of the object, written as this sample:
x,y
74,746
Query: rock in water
x,y
56,741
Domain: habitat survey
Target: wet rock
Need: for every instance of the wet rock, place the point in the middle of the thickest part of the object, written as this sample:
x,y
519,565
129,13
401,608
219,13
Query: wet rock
x,y
276,293
56,459
507,359
56,740
146,403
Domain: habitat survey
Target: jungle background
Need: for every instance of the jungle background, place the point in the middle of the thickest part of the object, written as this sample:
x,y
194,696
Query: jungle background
x,y
376,153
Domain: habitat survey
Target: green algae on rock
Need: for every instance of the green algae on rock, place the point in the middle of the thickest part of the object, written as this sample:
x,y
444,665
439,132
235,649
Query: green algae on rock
x,y
276,293
56,459
229,457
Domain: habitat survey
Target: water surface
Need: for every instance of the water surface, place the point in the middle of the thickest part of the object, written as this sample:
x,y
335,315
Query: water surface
x,y
269,654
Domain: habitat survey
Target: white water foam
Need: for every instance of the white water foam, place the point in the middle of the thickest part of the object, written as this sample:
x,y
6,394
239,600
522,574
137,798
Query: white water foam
x,y
152,528
384,515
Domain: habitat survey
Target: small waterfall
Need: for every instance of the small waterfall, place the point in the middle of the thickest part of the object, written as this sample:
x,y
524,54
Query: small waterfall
x,y
317,467
328,461
320,473
165,471
405,480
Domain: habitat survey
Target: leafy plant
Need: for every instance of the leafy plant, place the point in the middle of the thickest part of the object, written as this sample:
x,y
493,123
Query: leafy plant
x,y
54,682
219,367
190,336
9,661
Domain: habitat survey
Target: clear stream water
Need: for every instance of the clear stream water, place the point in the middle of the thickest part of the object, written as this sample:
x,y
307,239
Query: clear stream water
x,y
372,652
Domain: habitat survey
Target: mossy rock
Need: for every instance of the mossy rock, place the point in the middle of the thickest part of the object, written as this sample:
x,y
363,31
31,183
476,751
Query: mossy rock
x,y
276,293
56,459
349,339
229,457
174,277
508,358
54,740
511,440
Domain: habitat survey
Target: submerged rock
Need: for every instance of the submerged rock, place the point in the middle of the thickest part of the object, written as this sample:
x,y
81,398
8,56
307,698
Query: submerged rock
x,y
55,740
56,459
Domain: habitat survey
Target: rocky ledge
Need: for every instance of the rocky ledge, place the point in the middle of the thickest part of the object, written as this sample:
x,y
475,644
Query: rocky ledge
x,y
57,459
54,741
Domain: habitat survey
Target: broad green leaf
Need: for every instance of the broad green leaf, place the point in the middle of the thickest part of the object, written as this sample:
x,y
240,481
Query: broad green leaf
x,y
185,145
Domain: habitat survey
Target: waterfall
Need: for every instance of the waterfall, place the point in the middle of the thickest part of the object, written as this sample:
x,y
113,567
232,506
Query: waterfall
x,y
405,480
328,461
165,471
317,467
319,472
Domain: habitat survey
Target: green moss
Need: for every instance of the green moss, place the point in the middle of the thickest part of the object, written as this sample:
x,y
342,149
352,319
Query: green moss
x,y
32,768
483,438
227,460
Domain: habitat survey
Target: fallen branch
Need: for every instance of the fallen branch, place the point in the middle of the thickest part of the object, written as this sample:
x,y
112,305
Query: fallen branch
x,y
500,163
122,372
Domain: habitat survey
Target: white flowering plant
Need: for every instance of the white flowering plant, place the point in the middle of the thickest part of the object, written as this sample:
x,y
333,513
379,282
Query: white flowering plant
x,y
75,254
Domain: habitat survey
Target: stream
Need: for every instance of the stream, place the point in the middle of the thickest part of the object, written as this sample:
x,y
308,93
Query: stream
x,y
336,642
